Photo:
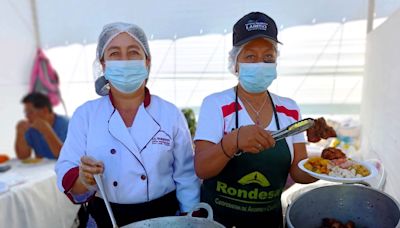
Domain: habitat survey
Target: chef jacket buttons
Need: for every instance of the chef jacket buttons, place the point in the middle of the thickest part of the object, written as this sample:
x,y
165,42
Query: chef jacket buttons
x,y
113,151
115,184
143,177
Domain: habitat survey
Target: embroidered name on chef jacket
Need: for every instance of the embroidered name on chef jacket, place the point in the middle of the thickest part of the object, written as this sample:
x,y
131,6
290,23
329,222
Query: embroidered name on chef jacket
x,y
161,141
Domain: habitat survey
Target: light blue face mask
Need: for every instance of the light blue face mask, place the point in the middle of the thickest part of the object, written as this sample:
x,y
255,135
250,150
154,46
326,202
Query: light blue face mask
x,y
126,75
256,77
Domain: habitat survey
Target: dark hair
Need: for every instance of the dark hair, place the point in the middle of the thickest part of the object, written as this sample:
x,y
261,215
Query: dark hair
x,y
38,100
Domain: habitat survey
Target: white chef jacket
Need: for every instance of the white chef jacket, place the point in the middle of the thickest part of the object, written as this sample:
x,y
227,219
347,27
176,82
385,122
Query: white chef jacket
x,y
141,163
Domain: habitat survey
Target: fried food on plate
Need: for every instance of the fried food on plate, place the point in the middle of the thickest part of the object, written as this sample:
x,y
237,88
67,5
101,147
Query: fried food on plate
x,y
333,162
332,153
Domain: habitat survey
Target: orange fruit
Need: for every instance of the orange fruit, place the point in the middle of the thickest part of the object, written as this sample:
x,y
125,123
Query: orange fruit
x,y
3,158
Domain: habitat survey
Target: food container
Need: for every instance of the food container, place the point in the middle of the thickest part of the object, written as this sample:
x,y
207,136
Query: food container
x,y
180,221
365,206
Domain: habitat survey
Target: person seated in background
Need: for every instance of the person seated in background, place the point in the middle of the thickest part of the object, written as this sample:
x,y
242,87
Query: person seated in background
x,y
43,130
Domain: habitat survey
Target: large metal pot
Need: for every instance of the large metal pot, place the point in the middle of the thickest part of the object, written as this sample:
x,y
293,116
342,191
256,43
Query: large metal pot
x,y
180,221
365,206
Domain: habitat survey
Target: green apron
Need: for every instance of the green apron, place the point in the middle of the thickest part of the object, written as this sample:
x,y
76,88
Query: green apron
x,y
247,192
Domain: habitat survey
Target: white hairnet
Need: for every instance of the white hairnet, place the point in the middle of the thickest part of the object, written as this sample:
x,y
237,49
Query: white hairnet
x,y
235,51
109,32
232,58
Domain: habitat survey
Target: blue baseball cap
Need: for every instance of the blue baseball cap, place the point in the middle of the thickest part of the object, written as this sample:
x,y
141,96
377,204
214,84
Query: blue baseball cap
x,y
252,26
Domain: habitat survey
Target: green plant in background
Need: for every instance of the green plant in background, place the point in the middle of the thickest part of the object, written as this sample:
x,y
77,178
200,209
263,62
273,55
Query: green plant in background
x,y
190,119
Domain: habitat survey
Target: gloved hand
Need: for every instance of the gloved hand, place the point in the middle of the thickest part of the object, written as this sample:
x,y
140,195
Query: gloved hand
x,y
88,167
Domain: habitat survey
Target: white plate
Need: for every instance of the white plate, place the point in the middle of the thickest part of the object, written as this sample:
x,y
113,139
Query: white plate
x,y
372,169
31,162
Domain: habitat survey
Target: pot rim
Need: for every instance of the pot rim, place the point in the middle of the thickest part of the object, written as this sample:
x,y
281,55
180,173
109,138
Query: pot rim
x,y
289,223
177,218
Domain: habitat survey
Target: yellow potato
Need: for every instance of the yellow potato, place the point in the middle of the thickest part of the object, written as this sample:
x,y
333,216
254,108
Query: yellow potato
x,y
317,165
360,169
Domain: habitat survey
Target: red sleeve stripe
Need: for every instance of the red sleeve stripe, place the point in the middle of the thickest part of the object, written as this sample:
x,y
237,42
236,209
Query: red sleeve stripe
x,y
288,112
229,109
69,180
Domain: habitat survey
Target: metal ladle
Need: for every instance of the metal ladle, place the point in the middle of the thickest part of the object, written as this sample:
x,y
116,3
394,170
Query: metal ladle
x,y
99,181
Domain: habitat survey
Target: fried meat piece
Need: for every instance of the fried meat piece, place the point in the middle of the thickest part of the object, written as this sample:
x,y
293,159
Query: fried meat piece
x,y
350,224
320,130
333,223
332,153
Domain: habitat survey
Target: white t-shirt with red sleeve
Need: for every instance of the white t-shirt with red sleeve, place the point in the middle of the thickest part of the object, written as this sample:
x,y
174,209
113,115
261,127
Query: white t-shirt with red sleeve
x,y
217,117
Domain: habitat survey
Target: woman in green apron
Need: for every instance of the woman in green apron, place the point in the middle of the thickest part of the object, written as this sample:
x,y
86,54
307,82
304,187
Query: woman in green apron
x,y
244,170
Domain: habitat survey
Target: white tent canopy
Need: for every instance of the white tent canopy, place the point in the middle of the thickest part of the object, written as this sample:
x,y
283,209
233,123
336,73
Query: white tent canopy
x,y
80,21
325,59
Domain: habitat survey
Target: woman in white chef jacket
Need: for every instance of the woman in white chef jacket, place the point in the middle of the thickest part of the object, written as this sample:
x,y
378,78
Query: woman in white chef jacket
x,y
139,142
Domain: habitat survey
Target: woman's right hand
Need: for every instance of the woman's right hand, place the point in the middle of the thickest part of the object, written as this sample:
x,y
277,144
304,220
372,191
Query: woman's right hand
x,y
88,167
254,139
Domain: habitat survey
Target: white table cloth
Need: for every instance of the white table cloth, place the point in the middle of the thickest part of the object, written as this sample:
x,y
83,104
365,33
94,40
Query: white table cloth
x,y
32,198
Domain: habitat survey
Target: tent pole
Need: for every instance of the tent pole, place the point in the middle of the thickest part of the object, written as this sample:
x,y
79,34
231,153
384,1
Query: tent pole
x,y
35,23
370,18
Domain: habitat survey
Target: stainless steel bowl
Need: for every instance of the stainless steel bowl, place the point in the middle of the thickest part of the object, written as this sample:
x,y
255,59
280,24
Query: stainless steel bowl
x,y
180,221
365,206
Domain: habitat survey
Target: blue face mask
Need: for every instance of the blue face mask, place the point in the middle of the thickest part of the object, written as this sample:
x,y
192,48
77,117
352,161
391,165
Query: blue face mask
x,y
256,77
126,75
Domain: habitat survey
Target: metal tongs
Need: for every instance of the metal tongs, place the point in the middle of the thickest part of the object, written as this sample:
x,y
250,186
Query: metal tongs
x,y
293,129
99,181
